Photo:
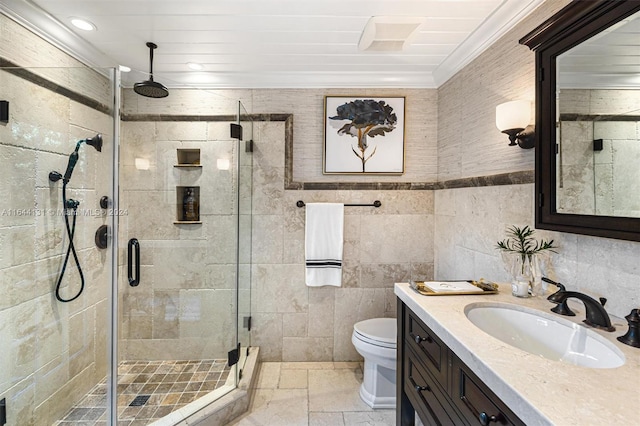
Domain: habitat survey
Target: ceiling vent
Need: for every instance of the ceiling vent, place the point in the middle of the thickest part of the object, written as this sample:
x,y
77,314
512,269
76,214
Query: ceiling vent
x,y
388,33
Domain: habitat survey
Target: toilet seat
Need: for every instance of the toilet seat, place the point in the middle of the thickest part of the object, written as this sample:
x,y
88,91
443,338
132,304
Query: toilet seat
x,y
377,331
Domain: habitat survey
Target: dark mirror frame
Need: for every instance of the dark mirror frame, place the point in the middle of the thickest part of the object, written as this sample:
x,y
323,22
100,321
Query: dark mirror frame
x,y
577,22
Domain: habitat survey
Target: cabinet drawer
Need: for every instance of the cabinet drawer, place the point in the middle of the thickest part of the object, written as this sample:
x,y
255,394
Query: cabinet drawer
x,y
476,402
425,396
429,348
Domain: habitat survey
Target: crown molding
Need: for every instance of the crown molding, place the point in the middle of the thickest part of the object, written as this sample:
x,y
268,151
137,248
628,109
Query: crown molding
x,y
289,80
55,32
495,26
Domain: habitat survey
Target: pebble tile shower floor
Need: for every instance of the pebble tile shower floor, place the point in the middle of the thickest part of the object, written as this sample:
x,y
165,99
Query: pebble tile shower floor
x,y
149,390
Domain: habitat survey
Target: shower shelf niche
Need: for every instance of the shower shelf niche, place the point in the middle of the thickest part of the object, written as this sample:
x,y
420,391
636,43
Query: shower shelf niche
x,y
188,158
181,219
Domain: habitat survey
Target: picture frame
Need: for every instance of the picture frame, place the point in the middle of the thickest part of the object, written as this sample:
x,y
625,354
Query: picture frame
x,y
364,135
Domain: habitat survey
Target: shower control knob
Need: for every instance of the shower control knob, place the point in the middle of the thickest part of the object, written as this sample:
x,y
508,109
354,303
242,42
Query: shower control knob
x,y
55,176
104,202
101,238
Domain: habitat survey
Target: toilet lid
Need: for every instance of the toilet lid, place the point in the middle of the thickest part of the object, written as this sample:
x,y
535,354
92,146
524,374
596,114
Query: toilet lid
x,y
382,330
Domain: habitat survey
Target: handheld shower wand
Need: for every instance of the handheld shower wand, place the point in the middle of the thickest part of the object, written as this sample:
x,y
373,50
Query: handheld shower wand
x,y
71,206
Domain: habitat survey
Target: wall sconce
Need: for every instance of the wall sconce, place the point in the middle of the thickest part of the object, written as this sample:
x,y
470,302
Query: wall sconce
x,y
513,119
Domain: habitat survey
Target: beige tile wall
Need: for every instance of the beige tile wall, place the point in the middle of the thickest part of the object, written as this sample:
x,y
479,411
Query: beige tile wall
x,y
184,307
469,144
53,352
21,47
600,182
470,220
308,129
382,246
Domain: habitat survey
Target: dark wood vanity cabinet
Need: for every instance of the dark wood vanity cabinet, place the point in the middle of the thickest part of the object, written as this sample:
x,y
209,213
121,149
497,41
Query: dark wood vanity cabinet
x,y
434,383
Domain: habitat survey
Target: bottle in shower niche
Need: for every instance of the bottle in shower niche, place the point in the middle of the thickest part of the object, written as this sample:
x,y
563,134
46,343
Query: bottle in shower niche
x,y
190,207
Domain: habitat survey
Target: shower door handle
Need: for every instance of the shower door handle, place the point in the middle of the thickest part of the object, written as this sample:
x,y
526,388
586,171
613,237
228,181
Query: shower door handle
x,y
133,245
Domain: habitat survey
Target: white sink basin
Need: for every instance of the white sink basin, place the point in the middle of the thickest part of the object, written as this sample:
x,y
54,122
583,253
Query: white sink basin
x,y
545,334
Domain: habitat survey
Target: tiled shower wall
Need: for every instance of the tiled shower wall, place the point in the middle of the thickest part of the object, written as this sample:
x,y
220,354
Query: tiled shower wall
x,y
600,182
53,352
469,221
184,306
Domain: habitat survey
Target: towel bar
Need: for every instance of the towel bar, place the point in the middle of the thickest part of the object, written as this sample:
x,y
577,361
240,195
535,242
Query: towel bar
x,y
376,203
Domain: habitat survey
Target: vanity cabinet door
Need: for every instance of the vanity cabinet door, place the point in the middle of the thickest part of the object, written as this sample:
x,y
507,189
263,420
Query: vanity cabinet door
x,y
430,349
475,401
427,398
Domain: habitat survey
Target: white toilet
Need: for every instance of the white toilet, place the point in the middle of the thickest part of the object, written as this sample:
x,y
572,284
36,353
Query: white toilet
x,y
375,340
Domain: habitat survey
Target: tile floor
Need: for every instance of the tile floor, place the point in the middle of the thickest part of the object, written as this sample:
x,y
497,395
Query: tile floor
x,y
311,394
169,385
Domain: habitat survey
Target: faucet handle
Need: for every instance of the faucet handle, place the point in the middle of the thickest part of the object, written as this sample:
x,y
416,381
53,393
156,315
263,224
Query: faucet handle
x,y
560,286
632,337
561,308
603,300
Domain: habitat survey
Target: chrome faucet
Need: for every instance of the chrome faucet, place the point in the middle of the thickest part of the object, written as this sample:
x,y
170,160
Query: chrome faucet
x,y
596,316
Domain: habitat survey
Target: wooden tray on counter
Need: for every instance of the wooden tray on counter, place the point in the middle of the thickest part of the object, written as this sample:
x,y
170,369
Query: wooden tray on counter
x,y
423,288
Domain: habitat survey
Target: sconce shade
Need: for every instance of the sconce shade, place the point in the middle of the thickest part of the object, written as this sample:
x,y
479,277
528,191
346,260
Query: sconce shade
x,y
513,115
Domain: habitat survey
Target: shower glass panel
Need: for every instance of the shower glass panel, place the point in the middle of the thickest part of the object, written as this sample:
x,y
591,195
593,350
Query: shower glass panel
x,y
55,352
245,191
183,258
179,246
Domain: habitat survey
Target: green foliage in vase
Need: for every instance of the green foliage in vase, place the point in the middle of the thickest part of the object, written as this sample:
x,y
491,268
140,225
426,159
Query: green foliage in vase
x,y
521,241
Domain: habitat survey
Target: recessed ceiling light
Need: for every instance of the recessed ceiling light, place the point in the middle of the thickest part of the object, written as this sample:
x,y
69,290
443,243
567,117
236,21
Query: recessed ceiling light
x,y
83,24
124,68
195,66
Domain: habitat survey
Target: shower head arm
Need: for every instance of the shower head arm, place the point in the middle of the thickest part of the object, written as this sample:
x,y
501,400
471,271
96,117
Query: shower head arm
x,y
151,47
150,88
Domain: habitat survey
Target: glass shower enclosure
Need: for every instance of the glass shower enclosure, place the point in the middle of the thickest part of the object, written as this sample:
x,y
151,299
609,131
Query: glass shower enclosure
x,y
162,312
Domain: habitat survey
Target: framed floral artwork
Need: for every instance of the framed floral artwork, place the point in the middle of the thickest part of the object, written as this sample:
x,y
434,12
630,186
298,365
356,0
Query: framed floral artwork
x,y
363,135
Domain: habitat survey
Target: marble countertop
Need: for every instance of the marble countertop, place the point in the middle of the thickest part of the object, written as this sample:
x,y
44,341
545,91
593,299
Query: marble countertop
x,y
538,390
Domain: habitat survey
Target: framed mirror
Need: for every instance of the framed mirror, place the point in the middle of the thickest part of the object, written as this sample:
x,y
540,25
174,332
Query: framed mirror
x,y
588,119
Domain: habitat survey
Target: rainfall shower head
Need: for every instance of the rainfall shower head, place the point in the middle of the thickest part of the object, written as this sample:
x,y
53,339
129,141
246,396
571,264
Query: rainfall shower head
x,y
150,88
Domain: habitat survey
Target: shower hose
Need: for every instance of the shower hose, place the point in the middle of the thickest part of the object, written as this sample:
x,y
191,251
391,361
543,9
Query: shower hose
x,y
69,205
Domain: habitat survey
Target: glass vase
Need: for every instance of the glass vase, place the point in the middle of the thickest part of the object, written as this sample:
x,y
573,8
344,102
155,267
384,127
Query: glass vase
x,y
524,270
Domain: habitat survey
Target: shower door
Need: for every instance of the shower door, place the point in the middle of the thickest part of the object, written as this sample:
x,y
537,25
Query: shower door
x,y
245,228
177,289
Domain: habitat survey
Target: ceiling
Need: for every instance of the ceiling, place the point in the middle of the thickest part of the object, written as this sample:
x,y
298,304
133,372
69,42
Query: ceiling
x,y
273,43
610,59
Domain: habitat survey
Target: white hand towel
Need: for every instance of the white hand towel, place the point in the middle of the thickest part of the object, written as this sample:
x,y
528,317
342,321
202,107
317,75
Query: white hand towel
x,y
324,232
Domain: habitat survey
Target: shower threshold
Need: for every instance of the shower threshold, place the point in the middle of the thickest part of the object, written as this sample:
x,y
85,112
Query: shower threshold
x,y
151,390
